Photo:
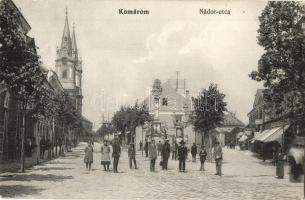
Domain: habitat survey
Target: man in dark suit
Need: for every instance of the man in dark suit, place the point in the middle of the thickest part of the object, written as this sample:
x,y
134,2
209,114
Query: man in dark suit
x,y
116,154
182,153
166,150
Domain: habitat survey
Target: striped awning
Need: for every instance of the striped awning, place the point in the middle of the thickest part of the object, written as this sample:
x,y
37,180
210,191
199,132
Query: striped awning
x,y
277,136
265,134
271,135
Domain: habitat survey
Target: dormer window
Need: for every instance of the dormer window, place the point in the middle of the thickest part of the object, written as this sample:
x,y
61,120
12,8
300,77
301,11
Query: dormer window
x,y
65,74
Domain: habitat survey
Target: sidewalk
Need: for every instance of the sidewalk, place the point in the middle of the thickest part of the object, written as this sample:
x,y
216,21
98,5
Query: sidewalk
x,y
268,164
14,165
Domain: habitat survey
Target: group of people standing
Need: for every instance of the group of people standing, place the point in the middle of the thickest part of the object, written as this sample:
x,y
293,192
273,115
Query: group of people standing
x,y
106,149
180,151
152,151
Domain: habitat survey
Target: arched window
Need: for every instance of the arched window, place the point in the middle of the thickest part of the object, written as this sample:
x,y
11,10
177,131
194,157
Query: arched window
x,y
64,74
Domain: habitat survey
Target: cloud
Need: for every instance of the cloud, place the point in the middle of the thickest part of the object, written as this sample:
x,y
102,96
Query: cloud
x,y
162,43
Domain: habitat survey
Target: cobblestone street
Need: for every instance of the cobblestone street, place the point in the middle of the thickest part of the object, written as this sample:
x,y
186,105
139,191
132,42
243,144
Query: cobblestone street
x,y
245,177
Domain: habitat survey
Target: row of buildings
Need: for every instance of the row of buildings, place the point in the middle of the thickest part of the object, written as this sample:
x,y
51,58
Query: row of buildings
x,y
273,131
66,79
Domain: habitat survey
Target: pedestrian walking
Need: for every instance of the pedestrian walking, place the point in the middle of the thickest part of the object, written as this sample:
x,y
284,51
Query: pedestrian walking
x,y
48,147
194,152
105,159
166,149
42,145
159,147
152,155
116,153
279,164
88,159
203,156
132,156
218,158
146,147
182,154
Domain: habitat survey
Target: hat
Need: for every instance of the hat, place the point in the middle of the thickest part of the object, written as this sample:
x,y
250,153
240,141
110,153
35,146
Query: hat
x,y
167,139
182,142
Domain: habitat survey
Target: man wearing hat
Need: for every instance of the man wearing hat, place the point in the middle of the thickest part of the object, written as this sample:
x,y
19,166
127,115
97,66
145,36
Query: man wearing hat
x,y
116,153
182,153
218,157
166,149
132,155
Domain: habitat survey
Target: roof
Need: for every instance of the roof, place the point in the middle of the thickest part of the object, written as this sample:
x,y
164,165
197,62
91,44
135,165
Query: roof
x,y
85,119
259,94
258,97
175,100
25,25
231,120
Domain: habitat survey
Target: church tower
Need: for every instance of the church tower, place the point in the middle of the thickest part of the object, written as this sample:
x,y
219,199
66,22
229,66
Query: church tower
x,y
69,66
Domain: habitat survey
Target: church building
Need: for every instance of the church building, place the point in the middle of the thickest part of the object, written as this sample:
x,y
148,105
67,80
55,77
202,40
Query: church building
x,y
69,66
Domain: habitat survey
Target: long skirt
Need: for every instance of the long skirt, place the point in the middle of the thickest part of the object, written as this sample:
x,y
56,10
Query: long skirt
x,y
105,162
280,169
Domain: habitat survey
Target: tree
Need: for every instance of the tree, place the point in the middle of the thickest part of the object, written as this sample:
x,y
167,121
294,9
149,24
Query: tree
x,y
20,68
105,130
129,117
209,108
282,66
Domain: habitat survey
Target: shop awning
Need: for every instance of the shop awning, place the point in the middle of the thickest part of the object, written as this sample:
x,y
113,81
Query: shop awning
x,y
277,136
243,138
273,134
266,133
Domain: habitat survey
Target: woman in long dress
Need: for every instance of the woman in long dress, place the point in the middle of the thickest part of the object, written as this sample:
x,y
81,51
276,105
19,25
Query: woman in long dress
x,y
280,164
105,159
88,159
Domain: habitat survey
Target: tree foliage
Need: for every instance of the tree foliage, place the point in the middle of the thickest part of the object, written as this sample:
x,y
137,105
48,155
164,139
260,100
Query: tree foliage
x,y
129,117
209,108
105,129
282,66
20,67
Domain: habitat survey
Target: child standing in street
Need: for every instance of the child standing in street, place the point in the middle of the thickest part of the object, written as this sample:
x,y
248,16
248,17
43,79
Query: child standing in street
x,y
132,155
105,158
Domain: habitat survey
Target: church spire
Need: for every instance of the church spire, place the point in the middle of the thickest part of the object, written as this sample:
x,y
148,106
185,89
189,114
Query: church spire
x,y
66,43
74,46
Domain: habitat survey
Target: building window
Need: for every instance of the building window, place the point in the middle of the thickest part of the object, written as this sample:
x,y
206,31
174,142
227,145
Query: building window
x,y
71,73
164,101
64,74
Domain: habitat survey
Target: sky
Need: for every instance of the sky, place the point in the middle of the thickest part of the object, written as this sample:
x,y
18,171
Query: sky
x,y
123,54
